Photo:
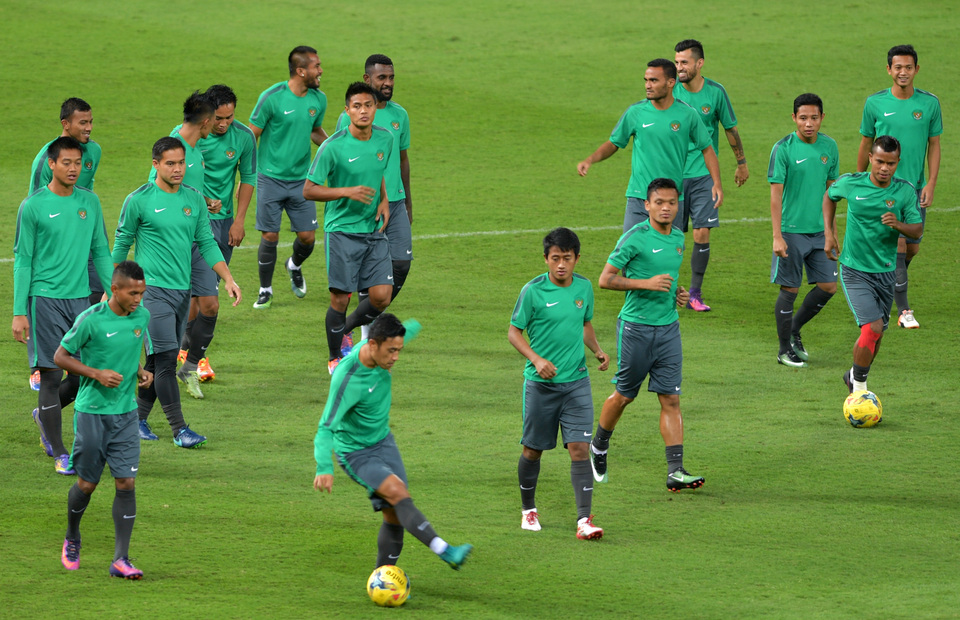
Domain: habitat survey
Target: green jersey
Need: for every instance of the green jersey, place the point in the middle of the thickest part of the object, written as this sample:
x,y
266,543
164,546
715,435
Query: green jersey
x,y
344,161
642,253
54,238
107,341
287,122
662,140
223,156
40,174
394,119
165,226
804,171
553,317
868,244
193,172
714,108
357,413
912,121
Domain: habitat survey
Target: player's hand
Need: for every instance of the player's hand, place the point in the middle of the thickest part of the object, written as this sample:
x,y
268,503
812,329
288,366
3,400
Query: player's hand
x,y
109,378
545,368
889,219
717,194
214,206
383,214
683,296
360,193
230,286
145,378
741,175
236,234
21,328
830,247
780,247
604,360
662,282
583,167
926,195
323,482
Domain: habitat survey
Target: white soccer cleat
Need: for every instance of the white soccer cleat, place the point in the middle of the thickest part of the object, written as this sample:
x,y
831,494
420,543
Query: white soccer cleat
x,y
530,520
586,530
907,320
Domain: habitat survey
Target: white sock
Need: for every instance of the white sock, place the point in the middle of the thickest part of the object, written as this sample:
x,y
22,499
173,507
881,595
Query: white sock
x,y
290,264
438,545
364,332
858,386
526,512
269,289
595,451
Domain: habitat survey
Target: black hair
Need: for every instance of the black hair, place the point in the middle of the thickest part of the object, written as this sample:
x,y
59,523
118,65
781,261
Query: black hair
x,y
164,144
669,68
299,57
807,99
690,44
221,94
127,269
887,144
563,238
661,183
63,143
386,326
197,108
901,50
376,59
71,105
359,88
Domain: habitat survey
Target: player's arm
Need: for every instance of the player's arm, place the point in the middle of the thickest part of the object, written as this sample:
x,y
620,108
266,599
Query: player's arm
x,y
590,339
933,168
237,232
333,413
256,132
405,180
713,166
830,245
545,368
23,249
383,209
908,230
863,153
126,232
106,377
742,174
605,150
776,216
322,193
318,135
611,279
144,377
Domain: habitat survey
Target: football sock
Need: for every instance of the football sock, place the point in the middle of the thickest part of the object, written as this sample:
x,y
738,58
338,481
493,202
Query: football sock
x,y
365,314
168,392
185,341
813,303
77,502
389,543
364,332
601,439
900,283
203,329
528,472
266,261
124,514
674,458
69,386
48,402
581,476
859,376
400,270
334,323
698,265
147,396
783,310
301,252
414,522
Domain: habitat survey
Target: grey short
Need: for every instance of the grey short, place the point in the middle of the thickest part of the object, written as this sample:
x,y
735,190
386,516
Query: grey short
x,y
356,261
275,196
923,218
370,466
635,213
168,316
649,349
95,286
803,249
50,320
549,407
204,281
105,439
398,232
697,205
869,295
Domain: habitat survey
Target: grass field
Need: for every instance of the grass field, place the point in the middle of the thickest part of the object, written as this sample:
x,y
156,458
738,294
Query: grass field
x,y
801,516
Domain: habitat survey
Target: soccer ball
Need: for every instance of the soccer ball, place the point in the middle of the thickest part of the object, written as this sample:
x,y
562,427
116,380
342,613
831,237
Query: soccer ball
x,y
388,586
863,409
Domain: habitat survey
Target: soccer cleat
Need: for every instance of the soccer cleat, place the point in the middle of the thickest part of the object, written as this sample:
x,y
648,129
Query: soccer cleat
x,y
61,465
848,379
146,433
696,304
598,463
797,345
456,556
346,345
204,371
70,556
123,568
43,436
190,380
181,356
35,381
297,283
530,520
681,479
907,320
187,438
332,364
263,300
790,359
586,530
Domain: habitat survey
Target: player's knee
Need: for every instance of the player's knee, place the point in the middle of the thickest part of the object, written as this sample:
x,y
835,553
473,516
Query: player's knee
x,y
789,289
125,484
307,237
86,486
619,400
578,451
381,298
272,237
870,336
209,306
530,454
912,250
830,288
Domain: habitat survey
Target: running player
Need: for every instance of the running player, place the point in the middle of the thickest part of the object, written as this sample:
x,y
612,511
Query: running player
x,y
648,329
802,166
555,309
356,427
59,226
711,102
879,206
348,174
912,116
664,131
286,119
109,336
165,218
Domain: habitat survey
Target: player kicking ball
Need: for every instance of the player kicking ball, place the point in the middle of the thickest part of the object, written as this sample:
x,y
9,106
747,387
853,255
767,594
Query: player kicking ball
x,y
555,309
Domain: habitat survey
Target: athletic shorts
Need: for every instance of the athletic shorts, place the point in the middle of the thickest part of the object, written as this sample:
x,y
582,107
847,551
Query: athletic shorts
x,y
653,350
869,295
697,205
204,281
549,407
50,320
105,439
275,196
168,316
370,466
803,249
398,232
357,261
923,219
636,212
96,287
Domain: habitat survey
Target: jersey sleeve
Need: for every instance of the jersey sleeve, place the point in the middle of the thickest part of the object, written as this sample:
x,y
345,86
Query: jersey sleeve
x,y
126,229
699,134
777,171
100,248
405,132
624,252
78,336
95,154
523,309
23,248
339,402
323,163
910,212
620,136
588,302
868,123
204,237
342,121
262,111
322,111
936,121
834,171
725,112
837,191
248,158
40,173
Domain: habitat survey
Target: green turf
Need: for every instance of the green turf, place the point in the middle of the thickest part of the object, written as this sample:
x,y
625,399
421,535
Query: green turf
x,y
801,516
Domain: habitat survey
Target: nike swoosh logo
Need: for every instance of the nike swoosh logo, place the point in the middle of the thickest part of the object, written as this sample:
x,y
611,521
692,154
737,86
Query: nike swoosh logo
x,y
859,198
389,277
586,434
134,468
834,273
423,526
129,516
889,113
393,557
354,159
289,111
76,512
658,250
53,215
266,263
645,125
314,221
111,335
587,488
409,251
373,388
159,210
786,312
800,161
677,388
523,488
701,250
713,220
189,165
45,408
337,331
553,304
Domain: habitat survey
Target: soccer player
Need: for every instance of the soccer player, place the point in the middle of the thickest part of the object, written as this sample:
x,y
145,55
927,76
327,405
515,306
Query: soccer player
x,y
912,116
230,147
802,166
879,206
165,218
59,226
648,329
709,99
664,131
109,336
286,119
356,427
348,174
379,73
555,309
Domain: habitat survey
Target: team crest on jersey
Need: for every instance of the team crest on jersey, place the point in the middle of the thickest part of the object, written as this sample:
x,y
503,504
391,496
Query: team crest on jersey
x,y
918,114
680,250
705,109
88,165
824,159
82,213
231,154
579,303
313,111
675,125
380,155
187,211
137,332
396,125
890,203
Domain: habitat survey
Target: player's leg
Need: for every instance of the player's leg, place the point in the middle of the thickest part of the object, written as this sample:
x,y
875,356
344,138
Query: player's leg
x,y
303,221
334,323
865,351
344,257
870,296
400,238
576,421
390,538
123,456
788,273
375,274
199,328
188,332
542,403
822,272
907,249
697,193
270,199
96,287
88,459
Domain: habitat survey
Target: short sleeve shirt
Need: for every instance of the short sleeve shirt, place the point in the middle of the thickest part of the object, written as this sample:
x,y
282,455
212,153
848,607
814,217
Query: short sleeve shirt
x,y
713,106
40,173
803,170
287,122
642,253
223,156
394,119
912,121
